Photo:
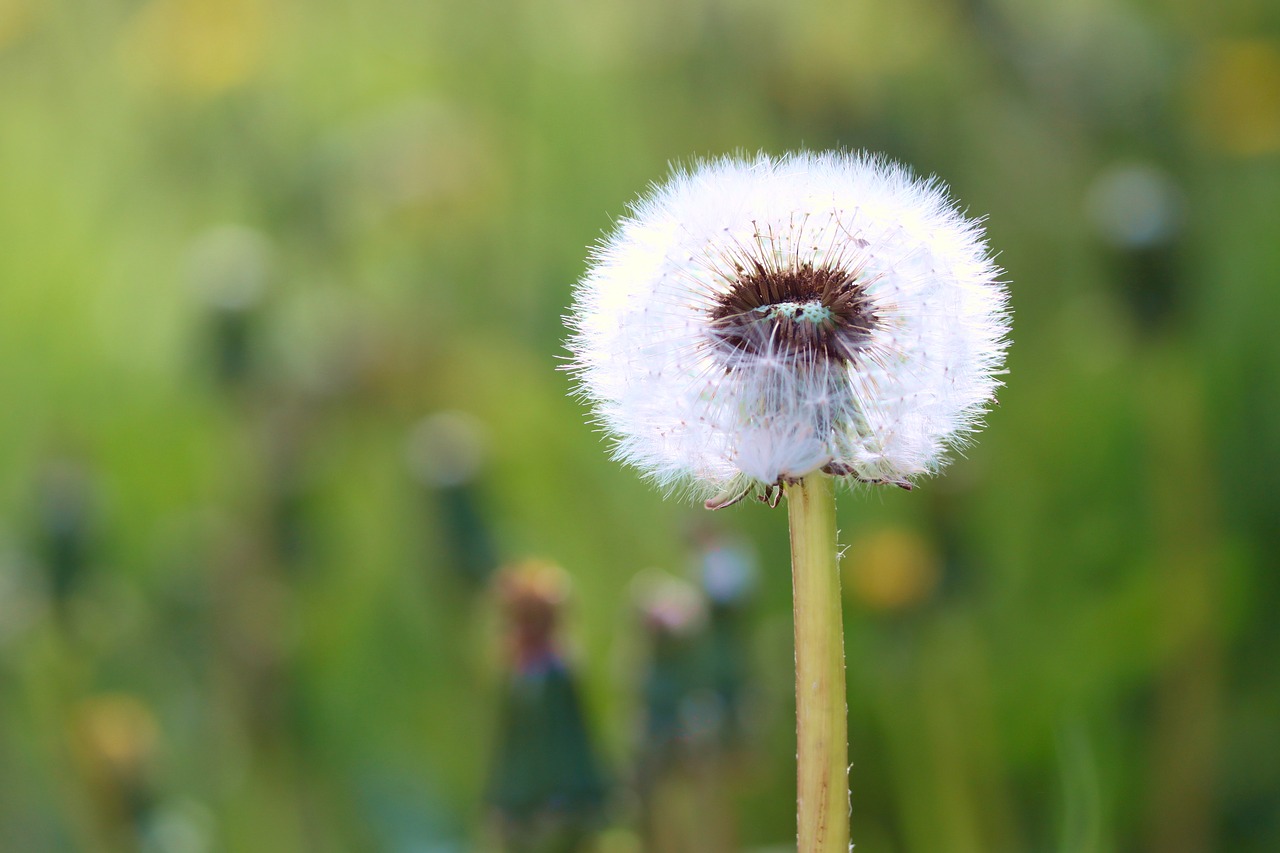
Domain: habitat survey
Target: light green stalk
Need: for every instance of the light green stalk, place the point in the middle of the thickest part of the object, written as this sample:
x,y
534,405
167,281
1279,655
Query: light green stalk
x,y
822,773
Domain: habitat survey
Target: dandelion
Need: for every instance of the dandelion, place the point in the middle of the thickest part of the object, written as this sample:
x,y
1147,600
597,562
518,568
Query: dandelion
x,y
760,326
754,321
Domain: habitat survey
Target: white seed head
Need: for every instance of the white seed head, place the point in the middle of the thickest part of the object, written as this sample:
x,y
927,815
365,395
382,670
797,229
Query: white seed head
x,y
754,320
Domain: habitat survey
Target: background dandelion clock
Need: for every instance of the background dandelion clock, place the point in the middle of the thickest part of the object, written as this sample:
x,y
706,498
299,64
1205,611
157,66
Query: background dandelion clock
x,y
770,325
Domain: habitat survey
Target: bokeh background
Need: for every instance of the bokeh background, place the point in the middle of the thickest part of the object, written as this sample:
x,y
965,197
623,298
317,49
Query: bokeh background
x,y
281,287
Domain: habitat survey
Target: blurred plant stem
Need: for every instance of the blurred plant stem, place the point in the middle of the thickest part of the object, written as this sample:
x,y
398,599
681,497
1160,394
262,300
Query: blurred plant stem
x,y
688,809
1187,719
822,775
58,680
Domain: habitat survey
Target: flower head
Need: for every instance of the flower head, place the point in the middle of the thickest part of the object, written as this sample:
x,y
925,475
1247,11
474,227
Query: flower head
x,y
755,320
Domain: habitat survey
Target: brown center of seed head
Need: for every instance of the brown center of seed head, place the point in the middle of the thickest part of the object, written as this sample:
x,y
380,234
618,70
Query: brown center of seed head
x,y
802,312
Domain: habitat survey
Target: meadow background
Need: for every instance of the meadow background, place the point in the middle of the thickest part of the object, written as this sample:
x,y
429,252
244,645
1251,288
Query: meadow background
x,y
246,247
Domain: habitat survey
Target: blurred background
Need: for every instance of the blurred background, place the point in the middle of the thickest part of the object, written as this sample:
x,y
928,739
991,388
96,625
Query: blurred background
x,y
303,546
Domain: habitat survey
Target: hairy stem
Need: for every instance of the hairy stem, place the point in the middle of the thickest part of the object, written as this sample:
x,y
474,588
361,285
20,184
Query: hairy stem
x,y
822,790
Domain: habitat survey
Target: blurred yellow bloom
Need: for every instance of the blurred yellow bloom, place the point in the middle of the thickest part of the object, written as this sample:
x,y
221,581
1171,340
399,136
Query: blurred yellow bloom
x,y
891,569
1235,96
117,734
197,47
16,17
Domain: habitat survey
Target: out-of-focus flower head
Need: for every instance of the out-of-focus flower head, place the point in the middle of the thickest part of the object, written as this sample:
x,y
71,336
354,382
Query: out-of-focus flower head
x,y
116,738
229,267
446,449
198,48
668,605
445,453
1135,206
547,786
896,570
727,566
532,595
65,506
756,320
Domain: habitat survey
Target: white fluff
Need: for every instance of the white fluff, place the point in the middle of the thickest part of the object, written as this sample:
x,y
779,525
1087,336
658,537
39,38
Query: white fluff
x,y
695,418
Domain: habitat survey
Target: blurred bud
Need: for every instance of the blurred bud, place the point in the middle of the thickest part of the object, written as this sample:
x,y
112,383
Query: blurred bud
x,y
728,568
64,525
547,788
532,594
446,449
668,606
444,454
892,569
729,578
116,737
1135,205
691,691
1137,210
674,616
228,268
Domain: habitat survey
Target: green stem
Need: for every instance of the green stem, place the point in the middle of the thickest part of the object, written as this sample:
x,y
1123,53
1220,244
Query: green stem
x,y
822,740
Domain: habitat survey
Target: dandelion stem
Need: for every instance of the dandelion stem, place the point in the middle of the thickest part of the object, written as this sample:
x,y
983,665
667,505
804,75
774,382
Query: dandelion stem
x,y
822,778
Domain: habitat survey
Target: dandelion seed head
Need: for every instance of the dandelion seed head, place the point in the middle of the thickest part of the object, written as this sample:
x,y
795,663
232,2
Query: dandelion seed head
x,y
754,320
